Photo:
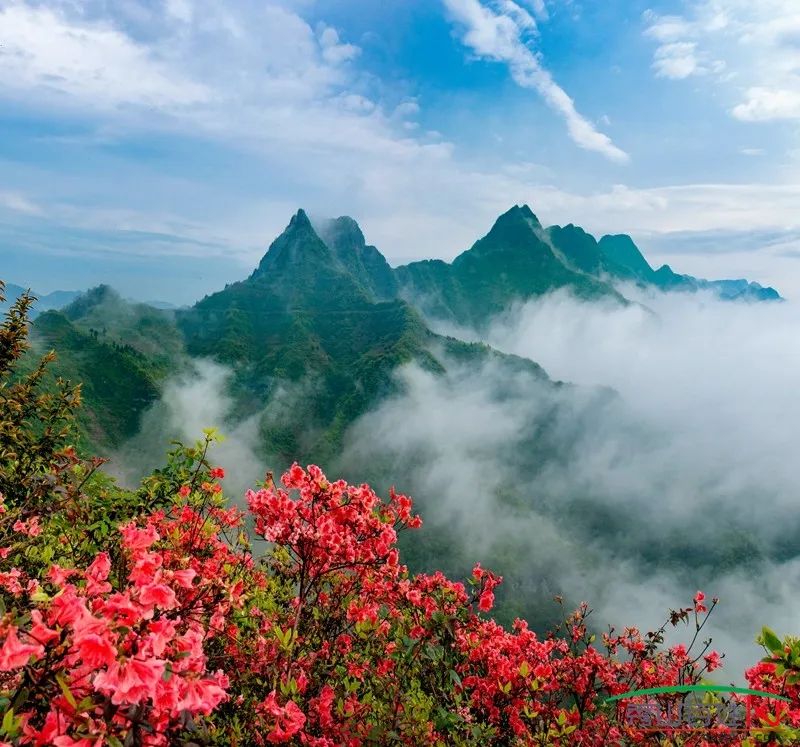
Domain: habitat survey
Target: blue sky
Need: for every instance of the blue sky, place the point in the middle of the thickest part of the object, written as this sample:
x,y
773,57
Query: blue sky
x,y
160,145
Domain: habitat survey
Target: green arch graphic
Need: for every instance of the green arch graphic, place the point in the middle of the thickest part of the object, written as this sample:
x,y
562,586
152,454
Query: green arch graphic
x,y
697,688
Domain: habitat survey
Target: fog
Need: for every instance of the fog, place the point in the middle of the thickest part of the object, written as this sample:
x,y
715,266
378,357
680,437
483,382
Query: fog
x,y
665,465
685,480
196,399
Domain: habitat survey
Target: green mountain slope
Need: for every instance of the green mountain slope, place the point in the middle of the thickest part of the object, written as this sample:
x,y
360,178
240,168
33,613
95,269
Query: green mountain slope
x,y
310,314
519,260
516,260
365,263
120,352
620,250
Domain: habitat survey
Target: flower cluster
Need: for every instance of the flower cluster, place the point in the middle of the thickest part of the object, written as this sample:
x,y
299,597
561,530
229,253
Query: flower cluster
x,y
121,653
177,633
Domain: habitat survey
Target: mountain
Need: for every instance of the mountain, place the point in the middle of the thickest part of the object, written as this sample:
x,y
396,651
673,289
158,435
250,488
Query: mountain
x,y
320,318
519,259
316,332
365,263
622,253
119,351
314,339
727,290
516,260
55,300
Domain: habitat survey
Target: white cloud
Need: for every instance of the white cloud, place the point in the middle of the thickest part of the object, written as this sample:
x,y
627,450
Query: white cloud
x,y
19,203
763,104
180,9
753,49
91,62
501,37
267,90
524,20
406,109
333,51
676,60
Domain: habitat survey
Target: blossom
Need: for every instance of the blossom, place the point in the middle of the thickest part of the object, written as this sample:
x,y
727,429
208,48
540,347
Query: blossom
x,y
712,660
96,650
202,695
288,719
315,646
699,598
30,527
486,601
134,538
132,681
157,595
96,575
14,653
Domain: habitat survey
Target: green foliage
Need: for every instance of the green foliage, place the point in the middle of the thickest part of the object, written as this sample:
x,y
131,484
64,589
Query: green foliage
x,y
35,422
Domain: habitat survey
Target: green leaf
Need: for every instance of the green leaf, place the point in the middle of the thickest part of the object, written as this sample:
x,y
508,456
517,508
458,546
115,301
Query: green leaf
x,y
65,689
8,722
770,640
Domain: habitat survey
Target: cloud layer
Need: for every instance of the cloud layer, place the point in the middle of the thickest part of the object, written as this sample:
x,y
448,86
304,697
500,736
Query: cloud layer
x,y
684,480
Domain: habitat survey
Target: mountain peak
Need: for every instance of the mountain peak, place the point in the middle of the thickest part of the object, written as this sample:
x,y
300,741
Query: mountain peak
x,y
300,219
342,230
622,251
299,244
343,236
518,213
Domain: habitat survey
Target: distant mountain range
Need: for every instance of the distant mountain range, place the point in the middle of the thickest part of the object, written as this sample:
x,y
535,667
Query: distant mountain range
x,y
519,259
55,300
325,308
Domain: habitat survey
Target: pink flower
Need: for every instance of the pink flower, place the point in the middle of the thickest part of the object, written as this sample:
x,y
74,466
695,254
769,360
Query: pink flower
x,y
289,719
698,602
15,654
96,575
712,660
96,651
183,578
217,473
486,601
134,538
30,527
184,491
158,595
201,695
39,632
131,681
162,632
58,576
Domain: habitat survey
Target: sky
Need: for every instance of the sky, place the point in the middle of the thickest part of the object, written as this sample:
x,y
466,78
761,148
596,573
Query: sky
x,y
160,145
